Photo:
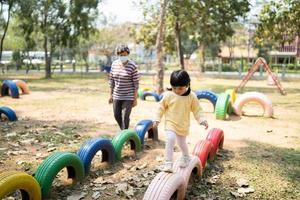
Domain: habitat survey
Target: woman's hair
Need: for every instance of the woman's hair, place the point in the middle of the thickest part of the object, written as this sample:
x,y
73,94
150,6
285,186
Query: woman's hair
x,y
122,48
180,78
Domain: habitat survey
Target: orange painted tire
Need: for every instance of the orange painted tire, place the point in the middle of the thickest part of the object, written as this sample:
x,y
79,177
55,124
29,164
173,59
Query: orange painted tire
x,y
22,85
203,151
164,186
186,172
257,97
216,137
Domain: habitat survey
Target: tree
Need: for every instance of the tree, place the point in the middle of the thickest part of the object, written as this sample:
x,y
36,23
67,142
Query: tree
x,y
278,23
4,23
202,22
60,23
159,52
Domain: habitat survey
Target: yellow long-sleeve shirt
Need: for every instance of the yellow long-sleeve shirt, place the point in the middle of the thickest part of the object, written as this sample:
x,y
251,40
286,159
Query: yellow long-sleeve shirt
x,y
177,111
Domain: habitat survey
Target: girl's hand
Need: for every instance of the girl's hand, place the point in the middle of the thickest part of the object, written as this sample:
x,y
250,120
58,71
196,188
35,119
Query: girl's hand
x,y
204,123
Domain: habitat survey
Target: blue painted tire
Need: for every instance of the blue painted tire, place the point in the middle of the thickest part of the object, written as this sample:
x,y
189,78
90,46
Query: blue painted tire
x,y
145,126
206,94
150,93
89,149
9,113
12,86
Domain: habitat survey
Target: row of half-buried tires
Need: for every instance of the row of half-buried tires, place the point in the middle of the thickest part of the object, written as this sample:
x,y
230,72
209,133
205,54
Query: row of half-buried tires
x,y
77,164
11,88
165,186
225,103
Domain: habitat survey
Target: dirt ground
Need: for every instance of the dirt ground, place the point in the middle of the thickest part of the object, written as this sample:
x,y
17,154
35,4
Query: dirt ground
x,y
60,114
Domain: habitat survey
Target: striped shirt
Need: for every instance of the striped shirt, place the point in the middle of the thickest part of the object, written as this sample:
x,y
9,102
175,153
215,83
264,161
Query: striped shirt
x,y
124,80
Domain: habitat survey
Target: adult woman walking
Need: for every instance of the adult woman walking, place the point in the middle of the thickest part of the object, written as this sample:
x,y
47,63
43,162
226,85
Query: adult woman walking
x,y
124,83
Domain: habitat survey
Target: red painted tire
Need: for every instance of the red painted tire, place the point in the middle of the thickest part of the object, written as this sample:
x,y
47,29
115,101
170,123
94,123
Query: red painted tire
x,y
193,167
203,151
216,137
164,186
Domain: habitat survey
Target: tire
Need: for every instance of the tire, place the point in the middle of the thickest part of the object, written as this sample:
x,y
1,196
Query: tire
x,y
141,91
12,86
257,97
145,126
203,151
12,181
124,136
54,163
22,85
222,106
216,137
89,149
9,113
206,94
193,167
151,93
232,95
164,185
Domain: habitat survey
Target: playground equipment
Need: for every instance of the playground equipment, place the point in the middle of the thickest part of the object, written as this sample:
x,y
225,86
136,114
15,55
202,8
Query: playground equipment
x,y
49,168
11,86
206,94
89,149
38,186
151,93
146,126
124,136
256,97
78,165
22,85
11,181
167,185
260,61
222,106
233,96
9,113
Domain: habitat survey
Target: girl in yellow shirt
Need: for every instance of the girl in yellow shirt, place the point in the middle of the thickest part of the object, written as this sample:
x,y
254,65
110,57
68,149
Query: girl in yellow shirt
x,y
177,105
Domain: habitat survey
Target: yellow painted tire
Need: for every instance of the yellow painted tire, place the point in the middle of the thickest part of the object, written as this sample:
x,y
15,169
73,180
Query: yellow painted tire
x,y
12,181
233,96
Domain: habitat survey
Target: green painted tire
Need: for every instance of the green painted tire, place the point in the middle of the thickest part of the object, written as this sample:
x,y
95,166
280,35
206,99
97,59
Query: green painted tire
x,y
55,162
11,181
222,106
140,92
124,136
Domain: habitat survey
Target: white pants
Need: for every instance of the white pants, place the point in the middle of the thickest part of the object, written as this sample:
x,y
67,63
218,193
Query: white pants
x,y
181,141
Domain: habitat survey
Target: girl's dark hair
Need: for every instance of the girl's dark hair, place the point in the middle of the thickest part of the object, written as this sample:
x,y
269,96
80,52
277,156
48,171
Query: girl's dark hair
x,y
180,78
122,48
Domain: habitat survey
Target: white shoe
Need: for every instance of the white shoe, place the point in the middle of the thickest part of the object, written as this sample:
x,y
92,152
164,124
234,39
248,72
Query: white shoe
x,y
168,167
184,161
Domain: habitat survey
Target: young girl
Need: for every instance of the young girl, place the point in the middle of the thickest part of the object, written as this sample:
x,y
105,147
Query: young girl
x,y
176,105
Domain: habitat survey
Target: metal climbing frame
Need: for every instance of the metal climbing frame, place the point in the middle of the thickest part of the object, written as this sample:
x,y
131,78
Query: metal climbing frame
x,y
255,66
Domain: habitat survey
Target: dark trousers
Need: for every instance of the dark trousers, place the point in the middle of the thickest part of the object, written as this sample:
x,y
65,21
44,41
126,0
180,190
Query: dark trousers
x,y
122,110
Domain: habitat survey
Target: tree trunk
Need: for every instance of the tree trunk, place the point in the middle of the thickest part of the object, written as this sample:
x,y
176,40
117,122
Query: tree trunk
x,y
87,66
159,50
4,34
202,57
61,56
178,44
47,63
